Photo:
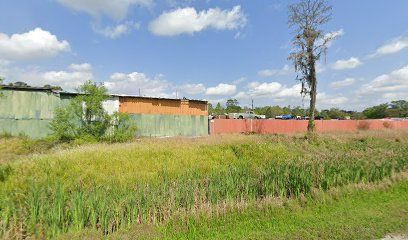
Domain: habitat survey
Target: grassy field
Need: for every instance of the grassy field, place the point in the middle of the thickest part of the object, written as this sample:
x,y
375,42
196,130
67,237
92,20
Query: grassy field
x,y
165,183
354,212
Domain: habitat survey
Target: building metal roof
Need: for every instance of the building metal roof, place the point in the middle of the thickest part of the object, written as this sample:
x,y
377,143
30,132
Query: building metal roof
x,y
27,88
50,89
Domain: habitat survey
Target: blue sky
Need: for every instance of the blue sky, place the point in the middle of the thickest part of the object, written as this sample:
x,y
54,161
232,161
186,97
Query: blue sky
x,y
209,49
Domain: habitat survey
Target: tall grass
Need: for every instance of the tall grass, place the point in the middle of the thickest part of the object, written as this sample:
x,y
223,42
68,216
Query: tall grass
x,y
108,187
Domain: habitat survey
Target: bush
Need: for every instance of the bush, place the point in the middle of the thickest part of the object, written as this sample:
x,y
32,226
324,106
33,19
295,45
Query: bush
x,y
85,120
363,125
123,129
388,125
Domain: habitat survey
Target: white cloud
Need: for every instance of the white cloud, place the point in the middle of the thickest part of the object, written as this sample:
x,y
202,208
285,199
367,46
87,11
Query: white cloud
x,y
344,83
347,64
116,9
69,79
325,100
193,89
333,35
270,90
131,83
393,46
34,44
117,30
221,89
189,21
259,89
394,83
275,72
84,67
240,80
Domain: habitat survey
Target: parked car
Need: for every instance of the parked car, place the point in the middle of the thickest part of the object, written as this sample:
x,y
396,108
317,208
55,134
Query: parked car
x,y
287,117
278,117
246,115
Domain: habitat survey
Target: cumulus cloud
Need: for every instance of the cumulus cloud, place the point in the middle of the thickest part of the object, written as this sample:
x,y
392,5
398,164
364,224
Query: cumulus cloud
x,y
193,89
270,90
221,89
392,47
386,85
117,31
115,9
189,21
344,83
34,44
83,67
69,79
275,72
347,64
332,35
131,83
326,100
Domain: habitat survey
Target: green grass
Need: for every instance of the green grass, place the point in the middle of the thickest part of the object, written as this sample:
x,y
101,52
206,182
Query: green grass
x,y
352,213
111,187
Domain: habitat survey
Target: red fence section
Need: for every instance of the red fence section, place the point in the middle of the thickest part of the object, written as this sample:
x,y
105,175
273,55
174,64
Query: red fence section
x,y
271,126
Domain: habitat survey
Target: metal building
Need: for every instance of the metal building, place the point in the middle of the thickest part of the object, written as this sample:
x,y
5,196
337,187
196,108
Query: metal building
x,y
29,110
159,117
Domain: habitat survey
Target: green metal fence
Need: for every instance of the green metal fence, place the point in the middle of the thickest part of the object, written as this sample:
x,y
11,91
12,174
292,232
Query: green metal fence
x,y
160,125
27,112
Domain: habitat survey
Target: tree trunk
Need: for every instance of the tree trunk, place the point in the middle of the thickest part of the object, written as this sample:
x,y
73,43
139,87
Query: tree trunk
x,y
313,92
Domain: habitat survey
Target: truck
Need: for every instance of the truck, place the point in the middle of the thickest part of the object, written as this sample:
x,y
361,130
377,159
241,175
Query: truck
x,y
245,115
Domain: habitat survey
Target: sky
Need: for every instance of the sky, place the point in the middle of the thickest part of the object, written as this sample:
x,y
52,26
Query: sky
x,y
205,49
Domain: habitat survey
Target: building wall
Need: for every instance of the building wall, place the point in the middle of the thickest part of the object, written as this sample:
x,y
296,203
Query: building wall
x,y
162,106
111,105
166,117
27,112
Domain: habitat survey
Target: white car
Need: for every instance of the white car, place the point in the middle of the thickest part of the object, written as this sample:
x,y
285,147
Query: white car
x,y
246,115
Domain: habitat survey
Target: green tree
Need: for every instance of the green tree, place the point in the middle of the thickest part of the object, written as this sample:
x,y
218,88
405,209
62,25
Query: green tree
x,y
85,118
376,112
219,109
210,109
232,106
1,83
307,18
298,111
335,113
398,109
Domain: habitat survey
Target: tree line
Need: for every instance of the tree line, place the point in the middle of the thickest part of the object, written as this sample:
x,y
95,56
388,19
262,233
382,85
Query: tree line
x,y
394,109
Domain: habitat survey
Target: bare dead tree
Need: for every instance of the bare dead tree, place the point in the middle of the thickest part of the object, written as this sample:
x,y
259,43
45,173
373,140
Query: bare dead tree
x,y
310,42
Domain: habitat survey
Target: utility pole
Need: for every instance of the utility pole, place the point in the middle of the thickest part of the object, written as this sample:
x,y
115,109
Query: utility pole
x,y
252,103
139,93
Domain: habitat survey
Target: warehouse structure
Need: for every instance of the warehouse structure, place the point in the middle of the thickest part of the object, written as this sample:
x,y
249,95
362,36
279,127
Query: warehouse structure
x,y
29,110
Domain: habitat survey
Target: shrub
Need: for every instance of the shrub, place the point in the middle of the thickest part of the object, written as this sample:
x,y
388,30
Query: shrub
x,y
363,125
388,125
123,129
85,120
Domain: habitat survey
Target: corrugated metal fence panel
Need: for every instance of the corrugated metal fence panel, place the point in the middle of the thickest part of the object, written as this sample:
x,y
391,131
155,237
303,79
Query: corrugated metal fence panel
x,y
163,125
33,128
28,105
27,112
223,126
